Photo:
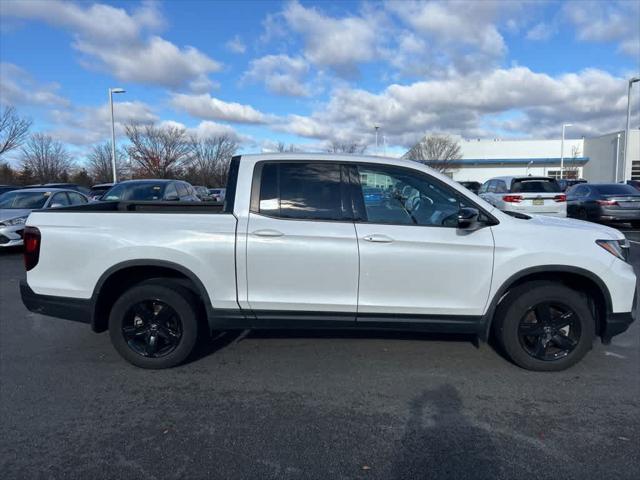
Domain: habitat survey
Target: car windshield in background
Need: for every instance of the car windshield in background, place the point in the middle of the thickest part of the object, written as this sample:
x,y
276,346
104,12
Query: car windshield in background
x,y
616,189
136,192
22,199
538,185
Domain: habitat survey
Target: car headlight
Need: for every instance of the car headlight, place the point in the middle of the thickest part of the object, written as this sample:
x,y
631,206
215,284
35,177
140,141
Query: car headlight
x,y
617,248
14,221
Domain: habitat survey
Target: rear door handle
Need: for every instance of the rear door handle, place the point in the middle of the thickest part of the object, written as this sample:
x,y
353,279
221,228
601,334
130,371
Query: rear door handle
x,y
377,238
267,232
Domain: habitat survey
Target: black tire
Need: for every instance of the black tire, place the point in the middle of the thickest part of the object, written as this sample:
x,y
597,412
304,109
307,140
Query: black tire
x,y
175,329
583,215
517,315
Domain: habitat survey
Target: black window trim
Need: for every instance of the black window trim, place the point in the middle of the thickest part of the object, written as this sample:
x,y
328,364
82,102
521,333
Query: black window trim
x,y
492,220
345,192
353,196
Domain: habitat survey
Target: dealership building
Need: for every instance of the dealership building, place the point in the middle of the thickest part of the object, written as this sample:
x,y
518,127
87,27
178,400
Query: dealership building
x,y
596,159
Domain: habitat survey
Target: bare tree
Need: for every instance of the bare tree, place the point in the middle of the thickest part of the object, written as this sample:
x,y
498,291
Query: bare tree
x,y
46,159
13,129
346,147
439,152
282,147
210,158
571,167
99,162
160,152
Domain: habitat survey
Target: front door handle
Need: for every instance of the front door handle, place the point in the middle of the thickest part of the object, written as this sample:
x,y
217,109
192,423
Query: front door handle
x,y
377,238
267,232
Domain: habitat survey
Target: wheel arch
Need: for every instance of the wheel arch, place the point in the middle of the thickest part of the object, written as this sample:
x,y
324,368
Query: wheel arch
x,y
122,276
574,277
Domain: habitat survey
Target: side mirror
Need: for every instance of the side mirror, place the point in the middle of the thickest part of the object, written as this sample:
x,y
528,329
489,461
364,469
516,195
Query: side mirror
x,y
468,218
56,205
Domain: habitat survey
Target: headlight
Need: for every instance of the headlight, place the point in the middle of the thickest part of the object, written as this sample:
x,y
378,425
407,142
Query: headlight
x,y
617,248
15,221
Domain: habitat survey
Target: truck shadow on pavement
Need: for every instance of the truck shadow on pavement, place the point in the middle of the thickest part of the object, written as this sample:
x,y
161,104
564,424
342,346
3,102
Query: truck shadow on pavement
x,y
441,442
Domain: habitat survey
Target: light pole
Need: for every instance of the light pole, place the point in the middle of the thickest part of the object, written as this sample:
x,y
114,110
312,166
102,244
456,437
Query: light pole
x,y
564,126
626,132
113,132
617,155
376,127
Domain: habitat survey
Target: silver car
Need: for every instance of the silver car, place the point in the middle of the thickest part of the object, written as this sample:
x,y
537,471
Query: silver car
x,y
15,207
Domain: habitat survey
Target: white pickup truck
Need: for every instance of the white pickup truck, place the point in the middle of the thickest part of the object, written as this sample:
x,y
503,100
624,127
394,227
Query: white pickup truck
x,y
330,241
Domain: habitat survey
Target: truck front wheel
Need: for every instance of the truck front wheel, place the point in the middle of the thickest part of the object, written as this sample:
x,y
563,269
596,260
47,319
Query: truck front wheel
x,y
154,324
545,326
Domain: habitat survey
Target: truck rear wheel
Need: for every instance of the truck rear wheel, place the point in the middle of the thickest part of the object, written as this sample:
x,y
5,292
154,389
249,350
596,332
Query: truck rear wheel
x,y
154,324
545,326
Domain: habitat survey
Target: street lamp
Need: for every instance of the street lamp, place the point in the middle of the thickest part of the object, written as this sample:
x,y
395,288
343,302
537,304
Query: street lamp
x,y
564,126
376,127
626,132
113,131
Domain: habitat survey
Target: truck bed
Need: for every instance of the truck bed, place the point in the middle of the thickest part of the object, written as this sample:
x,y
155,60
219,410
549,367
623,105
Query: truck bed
x,y
143,207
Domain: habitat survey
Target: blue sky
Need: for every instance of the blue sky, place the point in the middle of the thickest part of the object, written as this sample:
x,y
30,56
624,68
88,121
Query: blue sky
x,y
309,73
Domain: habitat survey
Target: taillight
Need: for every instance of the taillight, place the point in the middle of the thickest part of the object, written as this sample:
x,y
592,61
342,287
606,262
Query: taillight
x,y
31,247
607,202
560,198
512,198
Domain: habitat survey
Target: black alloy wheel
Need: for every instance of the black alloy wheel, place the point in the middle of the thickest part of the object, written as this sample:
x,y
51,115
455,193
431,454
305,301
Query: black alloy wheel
x,y
544,325
549,331
152,328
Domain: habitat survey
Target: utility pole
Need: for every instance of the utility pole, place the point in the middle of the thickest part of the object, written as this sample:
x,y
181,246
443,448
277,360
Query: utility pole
x,y
113,132
626,132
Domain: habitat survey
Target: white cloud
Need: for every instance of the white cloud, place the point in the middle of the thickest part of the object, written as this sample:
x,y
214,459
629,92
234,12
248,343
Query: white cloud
x,y
113,40
236,45
207,107
462,35
613,21
281,74
18,87
463,105
339,43
540,31
87,125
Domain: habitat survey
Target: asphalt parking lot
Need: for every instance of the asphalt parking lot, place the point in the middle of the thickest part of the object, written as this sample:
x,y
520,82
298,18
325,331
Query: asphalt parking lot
x,y
303,405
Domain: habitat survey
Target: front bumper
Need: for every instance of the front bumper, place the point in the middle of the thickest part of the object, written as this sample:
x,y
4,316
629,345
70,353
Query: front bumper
x,y
617,323
11,236
75,309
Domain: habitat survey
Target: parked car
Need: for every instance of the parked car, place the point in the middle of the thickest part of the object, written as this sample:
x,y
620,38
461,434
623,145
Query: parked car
x,y
8,188
297,246
473,186
16,205
604,202
203,193
634,183
565,183
65,186
218,194
539,195
97,191
151,190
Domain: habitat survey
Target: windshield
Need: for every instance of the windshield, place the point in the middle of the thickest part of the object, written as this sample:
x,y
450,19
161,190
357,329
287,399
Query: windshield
x,y
22,199
616,189
136,192
535,185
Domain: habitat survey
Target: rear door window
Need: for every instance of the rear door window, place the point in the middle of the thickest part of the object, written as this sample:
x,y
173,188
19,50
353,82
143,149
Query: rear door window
x,y
76,198
182,190
535,185
303,191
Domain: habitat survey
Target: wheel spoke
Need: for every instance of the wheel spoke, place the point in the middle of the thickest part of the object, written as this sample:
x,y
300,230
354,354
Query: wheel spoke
x,y
540,347
564,342
133,332
152,344
143,311
163,315
531,329
168,334
543,313
563,320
